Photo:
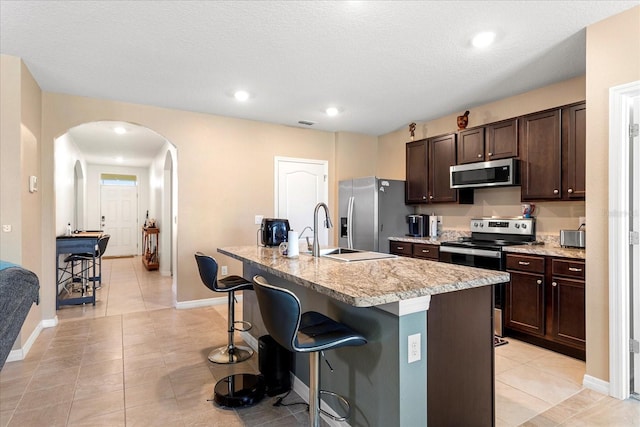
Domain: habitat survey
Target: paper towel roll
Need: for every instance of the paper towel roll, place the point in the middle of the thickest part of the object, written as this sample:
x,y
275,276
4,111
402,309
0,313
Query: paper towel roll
x,y
294,245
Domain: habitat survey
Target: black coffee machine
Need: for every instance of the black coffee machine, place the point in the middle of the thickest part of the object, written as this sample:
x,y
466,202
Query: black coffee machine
x,y
418,225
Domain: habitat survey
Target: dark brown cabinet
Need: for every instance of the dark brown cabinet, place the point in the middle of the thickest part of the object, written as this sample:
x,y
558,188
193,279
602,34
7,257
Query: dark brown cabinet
x,y
471,146
415,250
545,302
491,142
574,128
416,173
427,174
568,314
553,154
525,308
541,156
442,154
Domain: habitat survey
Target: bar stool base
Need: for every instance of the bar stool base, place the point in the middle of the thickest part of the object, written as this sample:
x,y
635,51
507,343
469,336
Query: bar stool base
x,y
239,390
224,356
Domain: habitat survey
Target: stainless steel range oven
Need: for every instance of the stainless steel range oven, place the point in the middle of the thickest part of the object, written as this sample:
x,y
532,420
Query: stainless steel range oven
x,y
484,249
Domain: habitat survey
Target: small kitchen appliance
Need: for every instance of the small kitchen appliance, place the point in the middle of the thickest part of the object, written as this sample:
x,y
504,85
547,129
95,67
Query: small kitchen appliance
x,y
484,249
274,231
572,238
418,225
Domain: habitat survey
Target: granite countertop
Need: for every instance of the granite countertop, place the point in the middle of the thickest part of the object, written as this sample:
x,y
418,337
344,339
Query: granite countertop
x,y
554,250
367,283
446,236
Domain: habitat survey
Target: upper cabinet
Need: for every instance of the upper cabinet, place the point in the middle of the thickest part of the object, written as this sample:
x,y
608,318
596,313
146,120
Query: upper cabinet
x,y
574,126
442,154
427,179
552,152
491,142
417,173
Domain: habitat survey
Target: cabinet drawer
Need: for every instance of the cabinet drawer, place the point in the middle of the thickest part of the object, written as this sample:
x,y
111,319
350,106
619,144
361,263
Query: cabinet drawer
x,y
400,248
567,268
534,264
421,250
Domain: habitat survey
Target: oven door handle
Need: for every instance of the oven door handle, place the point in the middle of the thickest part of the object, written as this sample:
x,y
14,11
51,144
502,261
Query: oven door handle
x,y
468,251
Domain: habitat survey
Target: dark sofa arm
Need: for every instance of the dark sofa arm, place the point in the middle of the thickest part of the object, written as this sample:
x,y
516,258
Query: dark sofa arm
x,y
19,288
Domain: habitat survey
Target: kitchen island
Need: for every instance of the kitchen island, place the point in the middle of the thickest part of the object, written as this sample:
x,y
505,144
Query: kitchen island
x,y
444,377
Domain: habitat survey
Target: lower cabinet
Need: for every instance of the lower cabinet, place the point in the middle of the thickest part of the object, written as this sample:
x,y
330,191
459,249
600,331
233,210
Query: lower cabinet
x,y
414,250
545,302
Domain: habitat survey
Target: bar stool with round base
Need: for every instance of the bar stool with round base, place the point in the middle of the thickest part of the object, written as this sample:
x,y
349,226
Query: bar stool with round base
x,y
208,268
309,332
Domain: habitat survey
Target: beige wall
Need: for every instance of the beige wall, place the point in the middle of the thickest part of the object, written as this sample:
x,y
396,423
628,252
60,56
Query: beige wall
x,y
613,58
225,171
20,121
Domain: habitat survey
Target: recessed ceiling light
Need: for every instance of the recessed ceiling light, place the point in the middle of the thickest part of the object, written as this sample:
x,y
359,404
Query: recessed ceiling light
x,y
241,95
332,111
483,39
120,130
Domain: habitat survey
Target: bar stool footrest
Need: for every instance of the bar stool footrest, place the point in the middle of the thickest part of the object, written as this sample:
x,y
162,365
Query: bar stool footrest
x,y
344,402
246,326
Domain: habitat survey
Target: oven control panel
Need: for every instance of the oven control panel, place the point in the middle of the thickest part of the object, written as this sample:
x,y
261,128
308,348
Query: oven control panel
x,y
522,226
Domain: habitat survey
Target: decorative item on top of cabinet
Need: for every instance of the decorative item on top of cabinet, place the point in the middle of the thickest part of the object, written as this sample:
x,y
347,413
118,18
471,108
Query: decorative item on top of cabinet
x,y
150,248
552,153
412,130
463,120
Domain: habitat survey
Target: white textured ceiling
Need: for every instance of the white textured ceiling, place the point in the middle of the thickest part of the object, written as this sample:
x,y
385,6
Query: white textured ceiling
x,y
384,64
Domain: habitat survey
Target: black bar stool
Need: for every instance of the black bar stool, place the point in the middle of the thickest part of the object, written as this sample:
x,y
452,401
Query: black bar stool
x,y
88,263
208,268
309,332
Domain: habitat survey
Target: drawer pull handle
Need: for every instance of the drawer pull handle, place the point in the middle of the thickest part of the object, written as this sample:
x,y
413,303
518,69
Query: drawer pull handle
x,y
425,251
524,262
574,269
400,248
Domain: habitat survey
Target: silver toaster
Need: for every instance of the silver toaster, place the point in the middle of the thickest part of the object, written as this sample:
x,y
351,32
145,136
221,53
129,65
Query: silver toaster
x,y
572,238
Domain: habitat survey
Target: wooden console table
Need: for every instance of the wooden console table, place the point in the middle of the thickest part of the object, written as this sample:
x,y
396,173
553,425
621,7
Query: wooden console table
x,y
150,248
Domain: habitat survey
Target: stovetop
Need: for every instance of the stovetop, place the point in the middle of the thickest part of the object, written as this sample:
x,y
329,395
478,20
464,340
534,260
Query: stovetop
x,y
496,233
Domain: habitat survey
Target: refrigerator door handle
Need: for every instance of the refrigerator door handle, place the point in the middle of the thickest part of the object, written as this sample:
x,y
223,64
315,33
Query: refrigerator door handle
x,y
350,223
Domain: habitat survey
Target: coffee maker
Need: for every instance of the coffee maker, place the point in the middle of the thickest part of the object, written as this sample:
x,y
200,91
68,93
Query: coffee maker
x,y
418,225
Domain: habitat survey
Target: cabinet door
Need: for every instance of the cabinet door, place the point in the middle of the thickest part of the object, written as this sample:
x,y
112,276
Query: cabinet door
x,y
525,303
574,124
541,156
400,248
416,182
568,311
442,155
502,140
471,146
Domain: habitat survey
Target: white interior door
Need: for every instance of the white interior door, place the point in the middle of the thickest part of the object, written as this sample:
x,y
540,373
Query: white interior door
x,y
118,218
300,184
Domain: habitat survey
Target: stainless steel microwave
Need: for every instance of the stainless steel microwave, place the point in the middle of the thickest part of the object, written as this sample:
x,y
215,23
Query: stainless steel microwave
x,y
495,173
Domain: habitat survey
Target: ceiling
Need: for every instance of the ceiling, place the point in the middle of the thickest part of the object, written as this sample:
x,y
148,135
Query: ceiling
x,y
383,64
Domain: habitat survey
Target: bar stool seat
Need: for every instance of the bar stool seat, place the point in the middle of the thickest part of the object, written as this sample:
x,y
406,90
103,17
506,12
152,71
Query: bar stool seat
x,y
309,332
208,269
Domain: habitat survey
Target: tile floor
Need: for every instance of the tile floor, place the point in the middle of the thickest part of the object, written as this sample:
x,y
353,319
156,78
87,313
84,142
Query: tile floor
x,y
133,360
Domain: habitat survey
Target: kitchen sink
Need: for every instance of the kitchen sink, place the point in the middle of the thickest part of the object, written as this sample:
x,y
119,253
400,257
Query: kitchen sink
x,y
350,255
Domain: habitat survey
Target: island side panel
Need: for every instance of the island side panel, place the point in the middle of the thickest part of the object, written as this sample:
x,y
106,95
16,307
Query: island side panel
x,y
382,387
461,359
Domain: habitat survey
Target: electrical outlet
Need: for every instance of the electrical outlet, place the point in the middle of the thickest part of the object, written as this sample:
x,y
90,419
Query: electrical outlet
x,y
223,270
582,220
6,228
414,348
258,220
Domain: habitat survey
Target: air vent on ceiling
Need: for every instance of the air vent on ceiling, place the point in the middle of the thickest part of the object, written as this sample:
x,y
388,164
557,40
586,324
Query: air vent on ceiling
x,y
306,122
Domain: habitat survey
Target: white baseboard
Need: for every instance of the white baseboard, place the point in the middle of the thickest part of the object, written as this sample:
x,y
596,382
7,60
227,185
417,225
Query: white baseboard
x,y
250,340
206,302
596,384
21,353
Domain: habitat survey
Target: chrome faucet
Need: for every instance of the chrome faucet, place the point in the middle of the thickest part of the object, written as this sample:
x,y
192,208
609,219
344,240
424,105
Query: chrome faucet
x,y
309,245
327,223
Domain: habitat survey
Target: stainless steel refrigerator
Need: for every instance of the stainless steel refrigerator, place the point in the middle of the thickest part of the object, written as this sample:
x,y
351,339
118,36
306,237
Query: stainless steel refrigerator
x,y
371,210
